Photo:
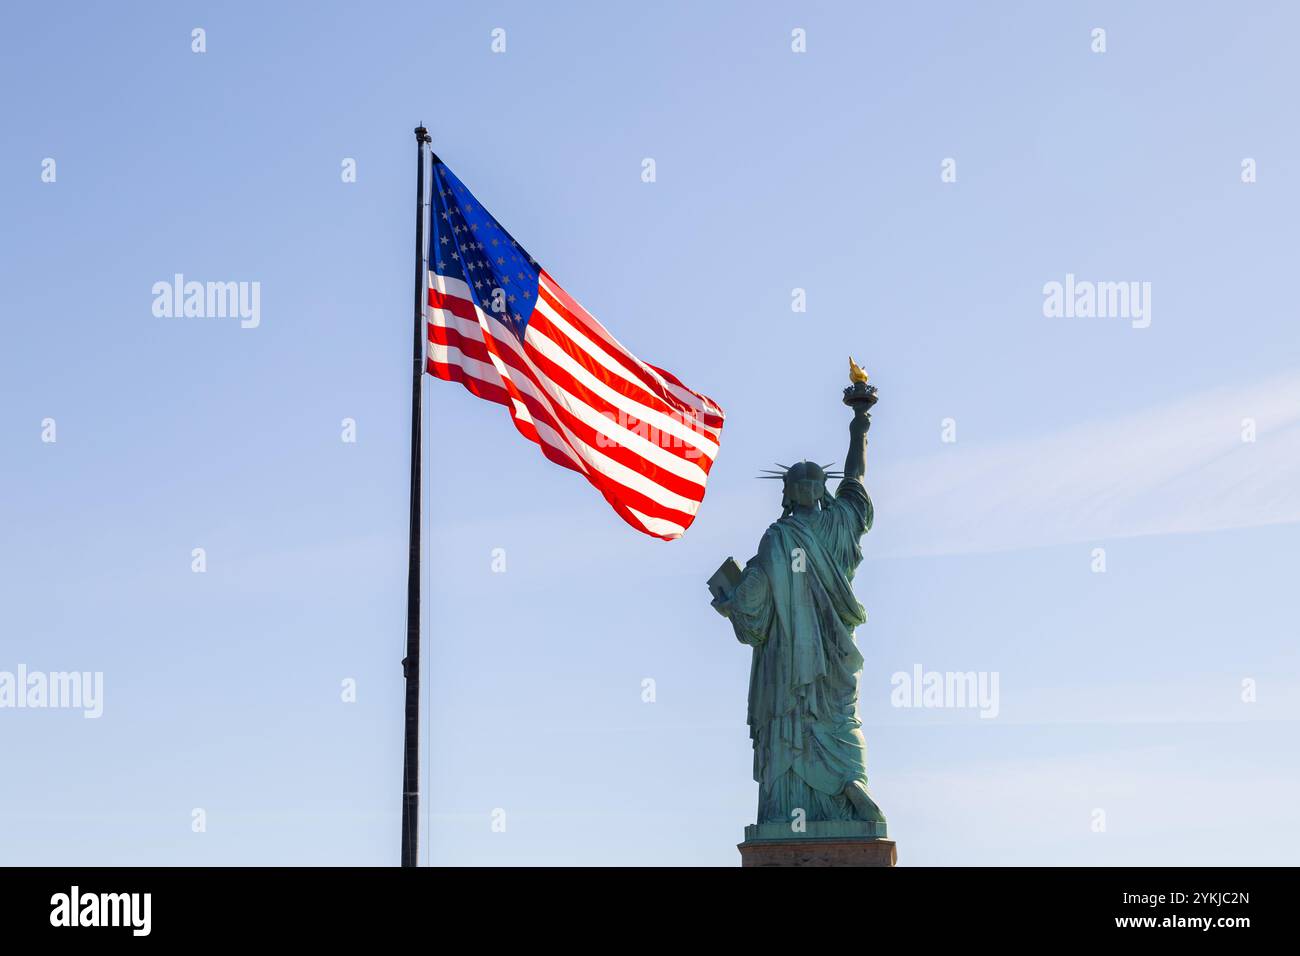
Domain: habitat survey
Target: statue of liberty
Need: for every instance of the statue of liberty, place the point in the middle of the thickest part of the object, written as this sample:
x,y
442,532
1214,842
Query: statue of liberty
x,y
794,604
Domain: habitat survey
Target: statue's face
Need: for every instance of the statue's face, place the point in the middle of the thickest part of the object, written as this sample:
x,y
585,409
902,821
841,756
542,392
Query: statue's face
x,y
805,484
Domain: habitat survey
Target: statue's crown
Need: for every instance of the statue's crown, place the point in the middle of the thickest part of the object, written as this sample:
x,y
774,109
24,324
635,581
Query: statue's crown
x,y
802,471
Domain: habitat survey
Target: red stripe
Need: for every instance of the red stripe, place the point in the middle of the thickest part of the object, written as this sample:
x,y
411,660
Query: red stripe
x,y
596,441
453,304
446,335
483,347
610,487
618,495
687,418
638,391
572,310
624,454
656,397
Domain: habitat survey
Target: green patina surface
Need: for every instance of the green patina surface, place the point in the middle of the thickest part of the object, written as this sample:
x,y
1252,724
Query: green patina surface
x,y
793,603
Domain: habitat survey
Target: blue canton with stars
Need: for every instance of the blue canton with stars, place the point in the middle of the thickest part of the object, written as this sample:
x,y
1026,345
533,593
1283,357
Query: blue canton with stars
x,y
466,243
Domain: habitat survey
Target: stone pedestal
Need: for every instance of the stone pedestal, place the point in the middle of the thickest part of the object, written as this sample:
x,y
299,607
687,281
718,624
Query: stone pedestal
x,y
828,843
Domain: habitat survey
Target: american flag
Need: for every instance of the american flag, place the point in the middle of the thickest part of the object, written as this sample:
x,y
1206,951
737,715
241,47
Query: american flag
x,y
500,325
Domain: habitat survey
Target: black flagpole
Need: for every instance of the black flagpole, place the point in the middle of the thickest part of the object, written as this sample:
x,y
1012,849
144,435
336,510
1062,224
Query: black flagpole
x,y
411,663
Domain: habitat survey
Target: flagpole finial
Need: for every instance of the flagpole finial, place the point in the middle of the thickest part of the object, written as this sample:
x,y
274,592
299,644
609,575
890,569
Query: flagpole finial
x,y
422,135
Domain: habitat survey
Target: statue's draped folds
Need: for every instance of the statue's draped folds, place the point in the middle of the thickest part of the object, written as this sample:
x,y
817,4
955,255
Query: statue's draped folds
x,y
795,605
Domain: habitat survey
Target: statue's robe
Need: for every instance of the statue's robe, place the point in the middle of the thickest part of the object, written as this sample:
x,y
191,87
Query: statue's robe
x,y
795,605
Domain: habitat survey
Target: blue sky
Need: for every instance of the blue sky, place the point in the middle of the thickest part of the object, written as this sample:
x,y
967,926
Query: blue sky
x,y
1119,691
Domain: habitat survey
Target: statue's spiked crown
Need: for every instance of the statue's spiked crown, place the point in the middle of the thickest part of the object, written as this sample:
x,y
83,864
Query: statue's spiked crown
x,y
801,471
804,481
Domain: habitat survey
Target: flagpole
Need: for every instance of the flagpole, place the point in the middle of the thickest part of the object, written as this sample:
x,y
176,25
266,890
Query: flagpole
x,y
411,663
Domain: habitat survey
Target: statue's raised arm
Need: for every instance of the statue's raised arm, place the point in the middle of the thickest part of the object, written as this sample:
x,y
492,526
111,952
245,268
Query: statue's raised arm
x,y
859,396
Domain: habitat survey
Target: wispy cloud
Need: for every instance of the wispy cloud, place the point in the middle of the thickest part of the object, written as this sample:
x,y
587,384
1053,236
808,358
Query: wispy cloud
x,y
1174,468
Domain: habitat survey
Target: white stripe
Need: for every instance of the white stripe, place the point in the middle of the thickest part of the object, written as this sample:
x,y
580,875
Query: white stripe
x,y
658,525
620,435
655,420
685,395
520,411
448,286
578,338
661,421
596,459
461,290
677,464
619,472
685,468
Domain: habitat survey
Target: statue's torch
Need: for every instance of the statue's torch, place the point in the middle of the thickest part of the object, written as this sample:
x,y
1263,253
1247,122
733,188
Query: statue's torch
x,y
859,396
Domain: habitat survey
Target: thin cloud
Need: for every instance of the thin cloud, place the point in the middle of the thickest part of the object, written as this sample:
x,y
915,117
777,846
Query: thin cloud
x,y
1175,468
